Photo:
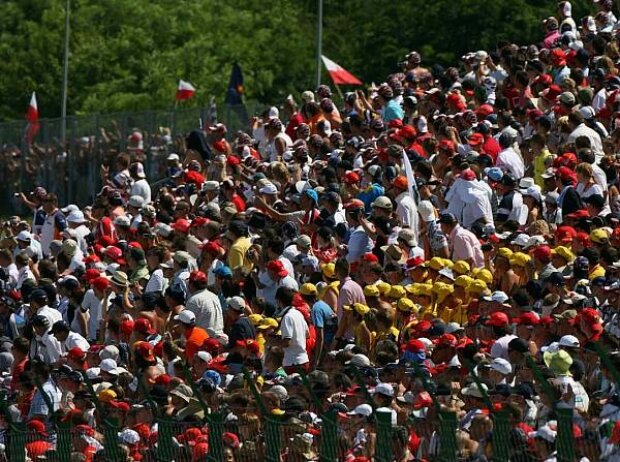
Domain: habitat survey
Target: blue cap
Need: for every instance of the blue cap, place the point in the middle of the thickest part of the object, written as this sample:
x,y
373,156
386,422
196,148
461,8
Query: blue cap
x,y
495,174
214,376
312,194
223,271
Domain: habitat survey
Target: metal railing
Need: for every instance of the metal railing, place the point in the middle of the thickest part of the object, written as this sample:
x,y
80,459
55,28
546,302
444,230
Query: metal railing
x,y
71,170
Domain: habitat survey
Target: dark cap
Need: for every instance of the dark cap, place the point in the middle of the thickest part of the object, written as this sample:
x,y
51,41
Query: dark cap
x,y
508,180
39,296
519,345
447,218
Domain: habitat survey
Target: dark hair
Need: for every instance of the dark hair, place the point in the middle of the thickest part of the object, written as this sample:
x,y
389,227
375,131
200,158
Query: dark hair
x,y
285,295
22,345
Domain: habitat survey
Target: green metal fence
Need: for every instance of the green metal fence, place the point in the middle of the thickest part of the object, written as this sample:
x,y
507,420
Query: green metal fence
x,y
71,170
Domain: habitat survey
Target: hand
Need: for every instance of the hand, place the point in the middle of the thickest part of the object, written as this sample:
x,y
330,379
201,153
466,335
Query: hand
x,y
104,169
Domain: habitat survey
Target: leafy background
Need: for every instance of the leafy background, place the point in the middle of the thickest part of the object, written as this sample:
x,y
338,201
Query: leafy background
x,y
129,54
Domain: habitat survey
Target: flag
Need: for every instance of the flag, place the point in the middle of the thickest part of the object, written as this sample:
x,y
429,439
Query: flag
x,y
339,75
32,116
185,90
234,95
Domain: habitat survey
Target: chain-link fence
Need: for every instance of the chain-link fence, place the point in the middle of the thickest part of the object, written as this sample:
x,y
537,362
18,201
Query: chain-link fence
x,y
72,169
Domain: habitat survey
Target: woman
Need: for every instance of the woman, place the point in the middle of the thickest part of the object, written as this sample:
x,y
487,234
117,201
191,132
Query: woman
x,y
586,185
505,279
325,250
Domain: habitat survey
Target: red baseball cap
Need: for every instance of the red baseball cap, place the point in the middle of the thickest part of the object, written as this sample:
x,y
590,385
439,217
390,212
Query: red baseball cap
x,y
400,182
143,326
211,247
446,340
415,346
91,274
476,139
233,160
590,316
407,132
395,123
498,319
370,257
113,253
91,259
422,400
527,319
199,221
351,178
220,146
447,145
181,225
277,267
542,253
145,351
579,214
468,174
76,354
484,111
197,276
127,326
100,283
565,234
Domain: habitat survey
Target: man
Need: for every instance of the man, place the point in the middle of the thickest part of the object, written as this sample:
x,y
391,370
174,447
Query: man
x,y
350,293
406,208
511,205
276,276
324,320
463,244
22,263
140,186
194,335
237,235
67,338
38,306
294,331
359,243
55,223
204,304
38,407
78,229
579,128
242,328
508,159
26,242
92,303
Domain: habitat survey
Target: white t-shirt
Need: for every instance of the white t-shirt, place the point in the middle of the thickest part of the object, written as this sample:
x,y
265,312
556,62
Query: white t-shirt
x,y
500,347
509,161
294,327
92,305
157,282
143,189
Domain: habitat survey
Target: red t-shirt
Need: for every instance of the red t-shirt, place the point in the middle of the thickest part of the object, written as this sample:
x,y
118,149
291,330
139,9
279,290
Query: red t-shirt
x,y
296,120
18,369
238,203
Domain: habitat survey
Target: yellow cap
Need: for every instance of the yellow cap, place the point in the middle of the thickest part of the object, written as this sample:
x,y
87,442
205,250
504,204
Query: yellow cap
x,y
424,289
599,236
477,287
260,380
371,290
397,292
383,287
360,308
519,259
267,323
461,267
447,263
107,395
277,412
308,289
484,274
406,304
437,263
564,252
328,269
504,252
463,281
255,319
411,288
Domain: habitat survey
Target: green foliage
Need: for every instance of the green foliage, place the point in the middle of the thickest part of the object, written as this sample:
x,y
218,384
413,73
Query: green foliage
x,y
130,54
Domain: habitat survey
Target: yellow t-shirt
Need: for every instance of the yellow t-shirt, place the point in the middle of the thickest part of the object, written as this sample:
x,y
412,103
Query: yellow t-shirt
x,y
539,166
236,254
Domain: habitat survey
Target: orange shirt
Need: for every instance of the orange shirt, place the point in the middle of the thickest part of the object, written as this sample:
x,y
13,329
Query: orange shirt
x,y
195,337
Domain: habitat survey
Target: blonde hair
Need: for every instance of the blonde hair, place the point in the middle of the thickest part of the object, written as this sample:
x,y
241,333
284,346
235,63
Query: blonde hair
x,y
585,169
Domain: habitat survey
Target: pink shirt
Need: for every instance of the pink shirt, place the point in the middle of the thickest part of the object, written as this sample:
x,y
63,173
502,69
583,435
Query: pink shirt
x,y
350,292
464,245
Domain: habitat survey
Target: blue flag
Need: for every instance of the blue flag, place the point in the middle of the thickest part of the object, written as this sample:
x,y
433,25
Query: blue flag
x,y
234,95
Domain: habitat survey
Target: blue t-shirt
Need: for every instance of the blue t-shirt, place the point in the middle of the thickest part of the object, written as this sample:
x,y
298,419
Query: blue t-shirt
x,y
321,312
392,111
368,195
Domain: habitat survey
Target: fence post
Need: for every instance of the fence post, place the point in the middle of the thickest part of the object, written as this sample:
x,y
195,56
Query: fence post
x,y
63,441
447,436
329,437
165,449
384,435
501,437
565,442
273,438
110,447
17,442
216,448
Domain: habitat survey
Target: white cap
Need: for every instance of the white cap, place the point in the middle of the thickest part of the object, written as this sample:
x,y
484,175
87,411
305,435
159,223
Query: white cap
x,y
502,366
498,296
236,303
109,352
186,317
534,241
140,170
24,236
204,356
76,216
280,391
129,436
121,221
173,156
273,112
359,360
363,410
422,125
136,201
570,341
70,208
109,366
426,210
473,390
384,389
521,240
453,327
268,188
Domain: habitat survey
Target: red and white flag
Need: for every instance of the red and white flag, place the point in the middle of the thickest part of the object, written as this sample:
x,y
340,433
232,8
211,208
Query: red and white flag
x,y
185,90
339,75
32,116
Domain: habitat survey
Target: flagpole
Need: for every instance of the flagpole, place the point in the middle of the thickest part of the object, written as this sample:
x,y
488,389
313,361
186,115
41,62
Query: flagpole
x,y
339,91
319,45
65,75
